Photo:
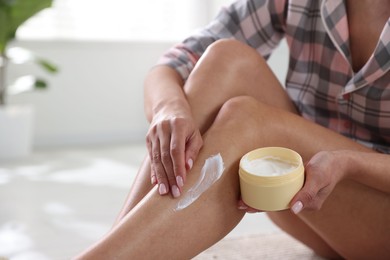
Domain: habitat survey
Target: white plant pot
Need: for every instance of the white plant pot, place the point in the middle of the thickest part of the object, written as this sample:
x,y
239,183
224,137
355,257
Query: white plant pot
x,y
16,131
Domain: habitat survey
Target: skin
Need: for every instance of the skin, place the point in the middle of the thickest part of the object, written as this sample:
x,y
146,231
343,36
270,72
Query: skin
x,y
344,206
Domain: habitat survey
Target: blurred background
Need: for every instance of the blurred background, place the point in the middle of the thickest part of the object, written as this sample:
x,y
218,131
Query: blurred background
x,y
103,49
89,125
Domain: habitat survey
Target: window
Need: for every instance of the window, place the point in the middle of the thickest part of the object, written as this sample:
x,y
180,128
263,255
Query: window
x,y
119,19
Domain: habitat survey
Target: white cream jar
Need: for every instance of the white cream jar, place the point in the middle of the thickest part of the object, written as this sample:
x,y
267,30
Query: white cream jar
x,y
270,177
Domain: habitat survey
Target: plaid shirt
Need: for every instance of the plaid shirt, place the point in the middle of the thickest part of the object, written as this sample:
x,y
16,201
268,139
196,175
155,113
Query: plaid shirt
x,y
320,79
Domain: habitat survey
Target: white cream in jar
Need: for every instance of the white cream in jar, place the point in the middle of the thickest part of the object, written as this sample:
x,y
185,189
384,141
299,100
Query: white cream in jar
x,y
270,177
268,166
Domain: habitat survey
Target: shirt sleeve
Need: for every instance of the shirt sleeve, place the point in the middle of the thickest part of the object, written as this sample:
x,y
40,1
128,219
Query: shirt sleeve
x,y
258,23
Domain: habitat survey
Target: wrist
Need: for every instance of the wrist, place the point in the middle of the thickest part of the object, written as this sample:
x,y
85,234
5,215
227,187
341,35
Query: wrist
x,y
173,106
347,162
162,87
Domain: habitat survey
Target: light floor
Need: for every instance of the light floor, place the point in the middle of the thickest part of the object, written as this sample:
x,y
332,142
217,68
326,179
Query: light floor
x,y
57,202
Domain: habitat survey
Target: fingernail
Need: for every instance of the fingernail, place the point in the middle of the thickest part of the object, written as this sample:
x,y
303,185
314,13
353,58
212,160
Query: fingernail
x,y
190,163
154,180
162,189
242,207
297,207
175,191
179,181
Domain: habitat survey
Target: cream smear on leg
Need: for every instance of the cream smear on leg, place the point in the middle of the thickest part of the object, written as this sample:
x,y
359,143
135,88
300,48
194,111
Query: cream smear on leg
x,y
211,171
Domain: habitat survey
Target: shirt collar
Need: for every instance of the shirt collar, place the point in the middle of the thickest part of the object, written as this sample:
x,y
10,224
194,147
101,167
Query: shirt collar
x,y
334,17
377,65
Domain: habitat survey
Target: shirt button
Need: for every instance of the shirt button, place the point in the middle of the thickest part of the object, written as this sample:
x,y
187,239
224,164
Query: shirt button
x,y
346,96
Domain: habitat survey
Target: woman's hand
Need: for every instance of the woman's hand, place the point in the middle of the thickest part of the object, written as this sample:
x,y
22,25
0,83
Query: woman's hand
x,y
242,206
173,142
323,172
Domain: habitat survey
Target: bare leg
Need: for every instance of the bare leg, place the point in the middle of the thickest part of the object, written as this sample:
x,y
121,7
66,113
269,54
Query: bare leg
x,y
152,229
237,70
244,79
294,226
141,186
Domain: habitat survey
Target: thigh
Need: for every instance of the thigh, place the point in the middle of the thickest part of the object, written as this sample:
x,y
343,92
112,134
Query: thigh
x,y
354,219
230,69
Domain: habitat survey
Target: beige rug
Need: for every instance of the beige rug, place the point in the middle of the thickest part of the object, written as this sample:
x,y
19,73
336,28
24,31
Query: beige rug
x,y
270,246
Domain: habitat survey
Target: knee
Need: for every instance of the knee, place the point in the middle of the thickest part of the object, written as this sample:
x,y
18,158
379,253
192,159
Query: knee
x,y
238,56
250,118
243,112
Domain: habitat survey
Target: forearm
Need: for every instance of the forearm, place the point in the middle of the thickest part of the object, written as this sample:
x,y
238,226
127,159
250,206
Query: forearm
x,y
163,89
370,169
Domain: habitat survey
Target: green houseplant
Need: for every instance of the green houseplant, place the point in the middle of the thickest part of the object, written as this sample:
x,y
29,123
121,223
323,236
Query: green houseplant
x,y
16,121
14,13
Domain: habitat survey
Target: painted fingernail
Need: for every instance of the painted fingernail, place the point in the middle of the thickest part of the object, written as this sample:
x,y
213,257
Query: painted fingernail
x,y
179,181
190,163
297,207
175,191
154,180
242,207
162,189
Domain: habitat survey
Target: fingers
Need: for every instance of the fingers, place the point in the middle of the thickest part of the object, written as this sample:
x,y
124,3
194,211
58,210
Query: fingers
x,y
312,196
159,145
177,153
242,206
308,197
171,154
193,146
166,175
157,167
322,175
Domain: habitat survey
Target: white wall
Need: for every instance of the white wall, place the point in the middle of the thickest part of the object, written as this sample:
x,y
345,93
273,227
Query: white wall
x,y
97,96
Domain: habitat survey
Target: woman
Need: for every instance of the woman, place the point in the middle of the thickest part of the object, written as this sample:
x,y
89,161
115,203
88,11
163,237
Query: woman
x,y
214,93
